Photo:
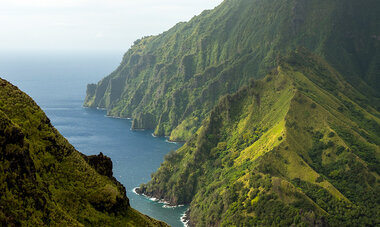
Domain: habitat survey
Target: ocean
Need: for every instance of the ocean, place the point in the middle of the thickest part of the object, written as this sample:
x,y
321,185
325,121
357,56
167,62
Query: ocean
x,y
57,82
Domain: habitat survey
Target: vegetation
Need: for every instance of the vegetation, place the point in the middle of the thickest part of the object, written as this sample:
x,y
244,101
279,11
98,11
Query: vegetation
x,y
278,102
171,82
280,152
45,181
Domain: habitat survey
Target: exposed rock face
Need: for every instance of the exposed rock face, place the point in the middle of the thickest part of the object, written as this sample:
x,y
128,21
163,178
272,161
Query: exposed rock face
x,y
143,121
101,163
90,92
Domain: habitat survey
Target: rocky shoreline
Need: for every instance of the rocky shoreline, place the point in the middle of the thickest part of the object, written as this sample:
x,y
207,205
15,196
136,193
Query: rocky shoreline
x,y
184,218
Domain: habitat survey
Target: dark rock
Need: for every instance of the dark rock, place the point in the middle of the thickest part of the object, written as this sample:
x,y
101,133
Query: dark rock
x,y
101,163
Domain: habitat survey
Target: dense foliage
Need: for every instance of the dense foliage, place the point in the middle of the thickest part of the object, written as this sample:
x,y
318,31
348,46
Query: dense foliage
x,y
285,150
298,147
170,82
45,181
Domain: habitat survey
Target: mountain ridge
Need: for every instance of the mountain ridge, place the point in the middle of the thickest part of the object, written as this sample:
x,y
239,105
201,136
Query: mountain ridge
x,y
171,81
282,144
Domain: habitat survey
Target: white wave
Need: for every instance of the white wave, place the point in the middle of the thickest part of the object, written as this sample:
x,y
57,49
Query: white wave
x,y
168,141
116,117
168,206
148,197
151,198
183,219
175,206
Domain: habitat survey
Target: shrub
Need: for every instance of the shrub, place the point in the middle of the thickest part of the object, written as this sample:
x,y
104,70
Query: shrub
x,y
331,134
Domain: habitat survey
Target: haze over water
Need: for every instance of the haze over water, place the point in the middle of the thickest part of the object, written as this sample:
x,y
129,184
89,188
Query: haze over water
x,y
57,82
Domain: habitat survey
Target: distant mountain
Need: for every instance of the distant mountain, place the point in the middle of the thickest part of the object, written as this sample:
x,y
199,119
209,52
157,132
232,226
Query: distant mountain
x,y
44,181
294,148
170,82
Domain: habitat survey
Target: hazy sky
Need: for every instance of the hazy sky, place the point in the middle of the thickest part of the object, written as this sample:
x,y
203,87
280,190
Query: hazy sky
x,y
89,25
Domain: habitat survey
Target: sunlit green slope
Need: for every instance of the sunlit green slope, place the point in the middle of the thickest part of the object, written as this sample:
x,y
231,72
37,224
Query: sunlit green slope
x,y
170,82
45,181
292,148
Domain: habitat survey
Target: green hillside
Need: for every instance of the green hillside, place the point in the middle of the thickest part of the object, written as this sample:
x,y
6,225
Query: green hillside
x,y
292,148
44,181
170,82
278,102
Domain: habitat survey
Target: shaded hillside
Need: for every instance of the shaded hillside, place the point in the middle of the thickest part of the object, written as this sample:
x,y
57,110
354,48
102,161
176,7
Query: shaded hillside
x,y
292,148
45,181
170,82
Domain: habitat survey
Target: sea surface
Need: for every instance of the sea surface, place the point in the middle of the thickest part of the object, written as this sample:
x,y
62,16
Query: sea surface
x,y
57,82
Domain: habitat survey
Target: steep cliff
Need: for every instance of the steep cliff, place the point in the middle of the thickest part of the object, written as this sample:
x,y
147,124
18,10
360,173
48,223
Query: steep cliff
x,y
170,82
45,181
294,148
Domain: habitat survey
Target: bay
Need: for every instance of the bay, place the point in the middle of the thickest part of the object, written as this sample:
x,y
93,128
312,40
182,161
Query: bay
x,y
57,82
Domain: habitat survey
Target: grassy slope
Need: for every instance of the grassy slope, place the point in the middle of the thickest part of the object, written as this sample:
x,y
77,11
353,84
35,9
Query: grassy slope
x,y
292,148
170,82
45,181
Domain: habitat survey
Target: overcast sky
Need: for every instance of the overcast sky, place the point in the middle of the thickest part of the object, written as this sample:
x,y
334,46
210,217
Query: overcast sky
x,y
89,25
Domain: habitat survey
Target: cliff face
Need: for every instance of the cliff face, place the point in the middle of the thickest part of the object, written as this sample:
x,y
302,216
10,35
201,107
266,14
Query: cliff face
x,y
294,148
170,82
45,181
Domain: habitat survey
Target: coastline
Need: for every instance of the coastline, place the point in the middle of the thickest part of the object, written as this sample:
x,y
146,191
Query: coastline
x,y
136,129
183,218
166,204
173,142
124,118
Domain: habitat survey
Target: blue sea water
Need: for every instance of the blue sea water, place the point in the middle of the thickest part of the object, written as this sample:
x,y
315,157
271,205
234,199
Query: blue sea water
x,y
57,82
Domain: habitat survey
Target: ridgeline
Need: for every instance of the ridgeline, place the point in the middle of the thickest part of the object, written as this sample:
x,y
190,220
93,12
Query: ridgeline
x,y
46,182
170,82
